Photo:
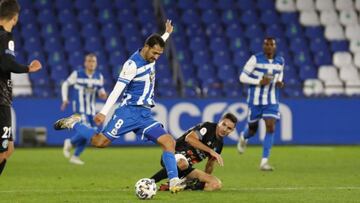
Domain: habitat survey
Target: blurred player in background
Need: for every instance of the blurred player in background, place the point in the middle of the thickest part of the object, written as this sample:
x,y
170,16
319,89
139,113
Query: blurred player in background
x,y
9,14
200,142
87,83
136,80
263,73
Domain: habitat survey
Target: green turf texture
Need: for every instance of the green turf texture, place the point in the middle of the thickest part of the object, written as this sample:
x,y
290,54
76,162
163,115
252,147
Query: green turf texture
x,y
302,174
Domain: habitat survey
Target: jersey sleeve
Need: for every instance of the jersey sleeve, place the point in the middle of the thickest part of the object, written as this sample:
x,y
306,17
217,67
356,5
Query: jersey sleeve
x,y
281,76
128,72
7,56
71,80
101,87
250,65
201,130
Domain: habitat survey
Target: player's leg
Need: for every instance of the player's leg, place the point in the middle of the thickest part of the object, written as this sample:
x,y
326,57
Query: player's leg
x,y
254,115
5,136
270,115
207,182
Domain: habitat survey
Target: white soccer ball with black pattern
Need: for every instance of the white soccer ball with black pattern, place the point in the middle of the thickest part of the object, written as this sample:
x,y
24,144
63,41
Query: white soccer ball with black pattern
x,y
145,188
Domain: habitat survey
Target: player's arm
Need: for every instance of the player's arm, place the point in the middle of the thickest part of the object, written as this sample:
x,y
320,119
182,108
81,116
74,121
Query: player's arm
x,y
101,92
248,69
193,139
209,167
7,59
279,82
127,73
168,30
71,80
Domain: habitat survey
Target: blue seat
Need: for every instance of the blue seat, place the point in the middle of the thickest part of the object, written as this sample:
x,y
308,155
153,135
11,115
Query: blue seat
x,y
130,29
234,30
39,55
86,16
233,92
52,44
59,73
146,16
201,57
190,92
110,30
50,30
254,31
238,44
76,60
289,17
190,16
187,70
307,72
314,32
179,41
143,4
206,4
221,58
179,30
183,57
173,14
198,43
246,5
294,30
194,30
93,44
103,4
210,16
225,4
299,44
106,16
265,5
29,30
249,17
323,58
256,45
230,17
27,16
206,71
148,29
214,30
73,44
319,44
63,4
66,16
214,93
25,4
227,73
70,29
218,44
46,16
339,45
42,91
33,44
83,4
186,4
90,30
122,4
167,92
133,43
127,15
117,59
240,58
43,4
269,17
275,30
56,58
113,44
301,58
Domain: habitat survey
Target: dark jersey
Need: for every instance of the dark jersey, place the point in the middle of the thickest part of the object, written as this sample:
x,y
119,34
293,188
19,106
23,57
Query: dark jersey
x,y
207,135
8,65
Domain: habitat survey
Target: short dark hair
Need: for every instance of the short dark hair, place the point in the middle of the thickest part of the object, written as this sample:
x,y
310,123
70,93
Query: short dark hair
x,y
231,117
155,39
91,55
8,9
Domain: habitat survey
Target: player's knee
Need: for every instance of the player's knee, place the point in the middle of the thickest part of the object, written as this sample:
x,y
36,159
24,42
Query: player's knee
x,y
99,141
182,164
270,128
2,156
167,142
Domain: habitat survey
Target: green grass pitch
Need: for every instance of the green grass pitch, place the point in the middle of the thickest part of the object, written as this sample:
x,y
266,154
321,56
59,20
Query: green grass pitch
x,y
303,174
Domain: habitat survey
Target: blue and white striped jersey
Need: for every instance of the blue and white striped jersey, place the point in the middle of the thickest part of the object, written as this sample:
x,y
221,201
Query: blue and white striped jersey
x,y
139,78
258,66
84,92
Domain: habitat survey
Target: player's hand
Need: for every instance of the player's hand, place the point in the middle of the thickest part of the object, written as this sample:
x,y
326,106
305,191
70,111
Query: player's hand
x,y
64,105
99,118
34,66
265,80
218,157
280,84
168,27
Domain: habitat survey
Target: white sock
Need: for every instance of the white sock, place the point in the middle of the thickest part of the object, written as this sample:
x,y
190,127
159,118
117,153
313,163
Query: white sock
x,y
263,161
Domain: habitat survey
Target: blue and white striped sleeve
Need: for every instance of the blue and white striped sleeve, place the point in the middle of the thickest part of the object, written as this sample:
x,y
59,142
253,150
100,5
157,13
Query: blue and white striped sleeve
x,y
128,72
248,69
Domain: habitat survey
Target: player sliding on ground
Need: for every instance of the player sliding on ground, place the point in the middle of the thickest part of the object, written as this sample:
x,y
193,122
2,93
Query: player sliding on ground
x,y
200,142
136,81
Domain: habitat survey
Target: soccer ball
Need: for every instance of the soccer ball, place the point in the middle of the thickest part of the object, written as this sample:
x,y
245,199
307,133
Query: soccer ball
x,y
145,188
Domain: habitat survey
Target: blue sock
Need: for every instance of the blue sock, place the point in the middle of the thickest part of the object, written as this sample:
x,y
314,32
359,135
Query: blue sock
x,y
267,144
75,139
170,164
84,131
246,133
80,146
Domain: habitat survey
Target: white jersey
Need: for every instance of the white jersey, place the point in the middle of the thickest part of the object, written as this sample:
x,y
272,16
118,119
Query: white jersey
x,y
256,67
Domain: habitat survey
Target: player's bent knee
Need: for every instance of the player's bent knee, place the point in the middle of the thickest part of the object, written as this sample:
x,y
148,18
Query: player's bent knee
x,y
100,141
167,142
270,128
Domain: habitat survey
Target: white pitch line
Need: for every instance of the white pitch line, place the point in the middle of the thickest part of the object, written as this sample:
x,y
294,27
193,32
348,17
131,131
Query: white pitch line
x,y
224,189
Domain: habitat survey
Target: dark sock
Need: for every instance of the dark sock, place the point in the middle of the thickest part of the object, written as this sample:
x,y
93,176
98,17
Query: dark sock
x,y
2,166
160,175
199,186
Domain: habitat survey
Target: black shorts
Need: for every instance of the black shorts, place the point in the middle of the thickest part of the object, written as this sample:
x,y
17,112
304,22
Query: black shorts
x,y
181,173
5,127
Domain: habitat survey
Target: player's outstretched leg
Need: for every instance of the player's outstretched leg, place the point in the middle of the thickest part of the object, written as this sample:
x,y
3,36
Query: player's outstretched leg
x,y
67,123
67,148
267,145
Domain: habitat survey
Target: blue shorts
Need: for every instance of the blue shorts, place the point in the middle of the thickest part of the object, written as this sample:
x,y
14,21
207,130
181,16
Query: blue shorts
x,y
133,118
256,112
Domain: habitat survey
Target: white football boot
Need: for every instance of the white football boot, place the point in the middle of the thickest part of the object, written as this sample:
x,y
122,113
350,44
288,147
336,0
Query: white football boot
x,y
76,160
